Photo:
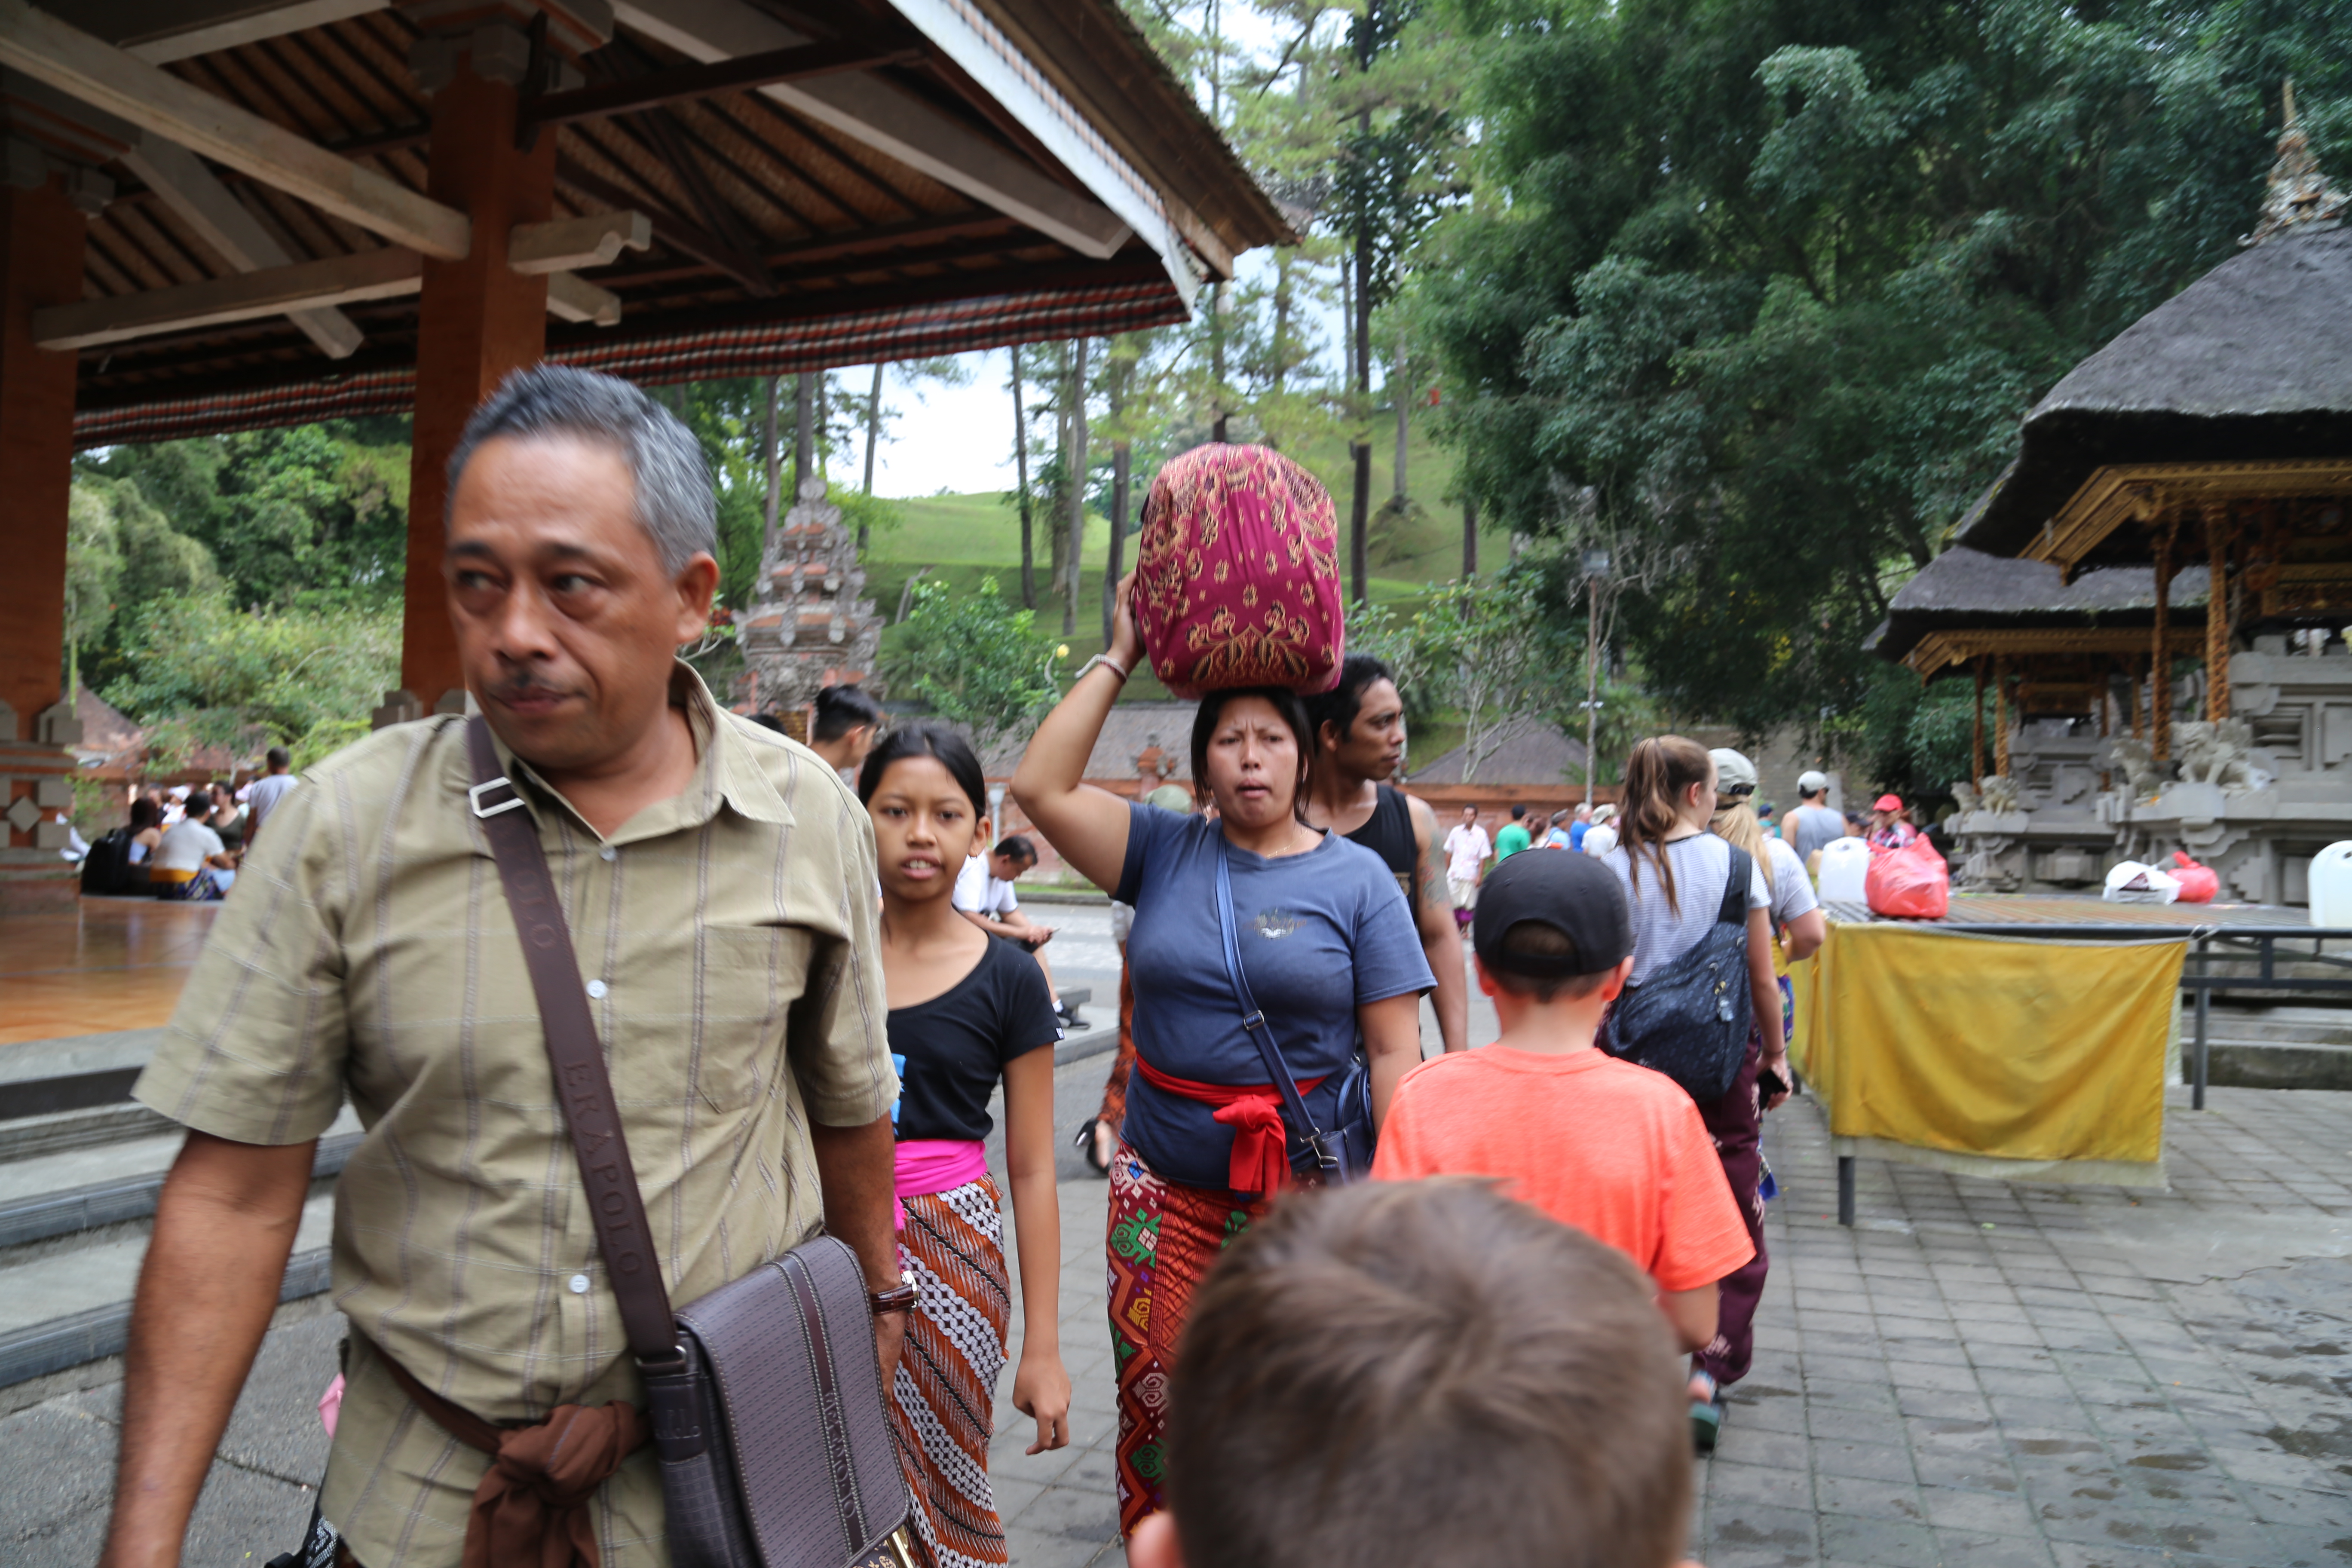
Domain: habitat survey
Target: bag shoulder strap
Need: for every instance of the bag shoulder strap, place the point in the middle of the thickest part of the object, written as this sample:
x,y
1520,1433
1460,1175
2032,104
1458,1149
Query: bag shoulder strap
x,y
583,1088
1734,889
1253,1022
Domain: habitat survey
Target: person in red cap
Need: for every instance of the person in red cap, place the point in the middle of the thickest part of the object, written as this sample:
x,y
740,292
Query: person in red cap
x,y
1888,830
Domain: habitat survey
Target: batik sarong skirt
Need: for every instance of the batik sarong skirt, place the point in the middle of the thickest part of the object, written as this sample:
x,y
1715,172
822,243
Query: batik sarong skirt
x,y
944,1392
1163,1238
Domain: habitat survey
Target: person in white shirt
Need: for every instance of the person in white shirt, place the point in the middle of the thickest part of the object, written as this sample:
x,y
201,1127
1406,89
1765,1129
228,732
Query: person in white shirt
x,y
983,892
1467,849
189,849
264,793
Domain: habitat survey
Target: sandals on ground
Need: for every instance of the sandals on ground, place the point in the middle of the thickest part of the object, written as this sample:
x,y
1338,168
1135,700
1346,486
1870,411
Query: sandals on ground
x,y
1706,1414
1085,1142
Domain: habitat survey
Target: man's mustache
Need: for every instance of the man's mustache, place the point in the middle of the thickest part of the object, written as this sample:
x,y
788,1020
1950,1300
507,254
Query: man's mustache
x,y
522,687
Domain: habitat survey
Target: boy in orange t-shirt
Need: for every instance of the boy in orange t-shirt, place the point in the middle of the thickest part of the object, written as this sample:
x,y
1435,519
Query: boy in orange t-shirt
x,y
1614,1149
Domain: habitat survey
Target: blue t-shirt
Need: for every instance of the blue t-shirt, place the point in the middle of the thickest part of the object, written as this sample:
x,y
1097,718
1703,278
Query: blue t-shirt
x,y
1320,934
1576,832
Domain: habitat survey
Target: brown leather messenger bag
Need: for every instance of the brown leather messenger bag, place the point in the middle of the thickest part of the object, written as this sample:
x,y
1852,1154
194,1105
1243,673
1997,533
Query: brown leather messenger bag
x,y
766,1396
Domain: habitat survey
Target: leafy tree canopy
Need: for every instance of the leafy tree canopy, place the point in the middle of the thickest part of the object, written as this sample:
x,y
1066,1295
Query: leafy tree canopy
x,y
977,661
1778,278
314,513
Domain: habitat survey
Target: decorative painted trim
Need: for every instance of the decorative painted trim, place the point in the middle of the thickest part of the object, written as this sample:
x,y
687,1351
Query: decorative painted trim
x,y
2142,492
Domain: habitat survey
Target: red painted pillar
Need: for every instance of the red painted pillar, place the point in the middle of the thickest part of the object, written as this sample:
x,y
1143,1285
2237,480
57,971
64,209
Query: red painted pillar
x,y
40,264
478,321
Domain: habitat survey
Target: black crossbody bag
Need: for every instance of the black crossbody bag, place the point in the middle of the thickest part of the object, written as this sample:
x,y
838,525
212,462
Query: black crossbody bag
x,y
1690,1020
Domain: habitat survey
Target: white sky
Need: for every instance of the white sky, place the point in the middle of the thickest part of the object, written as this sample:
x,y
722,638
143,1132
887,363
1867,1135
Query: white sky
x,y
960,437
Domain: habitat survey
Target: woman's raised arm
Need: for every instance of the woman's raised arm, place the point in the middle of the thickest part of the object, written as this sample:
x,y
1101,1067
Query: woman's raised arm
x,y
1086,826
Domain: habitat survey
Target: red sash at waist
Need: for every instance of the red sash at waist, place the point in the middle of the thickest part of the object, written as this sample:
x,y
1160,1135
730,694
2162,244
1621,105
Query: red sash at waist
x,y
1261,1160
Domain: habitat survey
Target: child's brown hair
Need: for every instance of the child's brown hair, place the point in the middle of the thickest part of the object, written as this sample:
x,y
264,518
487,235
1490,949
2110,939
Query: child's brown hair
x,y
1426,1375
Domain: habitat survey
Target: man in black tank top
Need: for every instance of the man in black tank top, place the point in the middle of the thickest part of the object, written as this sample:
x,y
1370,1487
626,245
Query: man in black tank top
x,y
1358,744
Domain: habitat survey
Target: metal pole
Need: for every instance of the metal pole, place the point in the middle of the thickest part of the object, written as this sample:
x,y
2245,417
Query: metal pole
x,y
1845,1189
2204,1022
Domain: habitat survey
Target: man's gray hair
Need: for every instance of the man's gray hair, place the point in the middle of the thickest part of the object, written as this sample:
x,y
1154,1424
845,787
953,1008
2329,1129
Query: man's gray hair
x,y
675,502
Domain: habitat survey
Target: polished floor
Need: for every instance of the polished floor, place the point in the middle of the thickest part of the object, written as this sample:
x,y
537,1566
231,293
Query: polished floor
x,y
106,964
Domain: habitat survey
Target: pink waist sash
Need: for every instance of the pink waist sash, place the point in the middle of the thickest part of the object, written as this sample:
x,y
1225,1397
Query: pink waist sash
x,y
927,1165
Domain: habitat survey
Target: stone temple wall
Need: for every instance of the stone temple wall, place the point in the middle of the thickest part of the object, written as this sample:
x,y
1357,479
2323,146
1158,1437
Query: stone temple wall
x,y
2254,797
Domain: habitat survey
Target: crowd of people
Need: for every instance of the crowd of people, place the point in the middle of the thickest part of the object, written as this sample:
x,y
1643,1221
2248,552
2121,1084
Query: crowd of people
x,y
1363,1306
186,842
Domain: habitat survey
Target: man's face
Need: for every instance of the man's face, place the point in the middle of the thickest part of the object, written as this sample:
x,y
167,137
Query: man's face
x,y
566,622
1004,868
1373,747
1469,816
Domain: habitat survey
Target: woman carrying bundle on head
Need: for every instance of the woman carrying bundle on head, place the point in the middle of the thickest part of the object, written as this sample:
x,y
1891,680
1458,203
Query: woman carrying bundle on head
x,y
967,1010
1315,925
1702,1003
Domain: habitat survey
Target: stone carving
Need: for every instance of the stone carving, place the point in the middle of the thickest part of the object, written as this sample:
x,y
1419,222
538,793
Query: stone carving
x,y
2138,759
2216,753
1998,794
57,726
1964,796
807,628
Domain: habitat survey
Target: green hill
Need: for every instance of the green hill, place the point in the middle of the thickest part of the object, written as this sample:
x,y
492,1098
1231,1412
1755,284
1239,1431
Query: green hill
x,y
960,540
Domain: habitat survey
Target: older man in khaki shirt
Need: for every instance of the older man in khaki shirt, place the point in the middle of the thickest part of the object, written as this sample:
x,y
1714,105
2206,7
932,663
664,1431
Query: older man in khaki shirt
x,y
718,883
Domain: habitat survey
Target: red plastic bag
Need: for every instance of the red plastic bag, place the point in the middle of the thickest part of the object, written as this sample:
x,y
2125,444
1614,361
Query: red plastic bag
x,y
1912,882
2198,884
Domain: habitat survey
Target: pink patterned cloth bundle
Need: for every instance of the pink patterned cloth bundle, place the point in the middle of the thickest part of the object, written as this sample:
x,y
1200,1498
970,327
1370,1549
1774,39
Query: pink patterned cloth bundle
x,y
1237,574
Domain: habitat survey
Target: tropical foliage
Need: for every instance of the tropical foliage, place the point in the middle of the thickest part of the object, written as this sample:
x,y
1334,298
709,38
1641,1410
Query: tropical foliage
x,y
1777,282
976,660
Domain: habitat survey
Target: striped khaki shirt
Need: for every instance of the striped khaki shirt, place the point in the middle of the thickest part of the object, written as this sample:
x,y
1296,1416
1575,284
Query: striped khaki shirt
x,y
727,939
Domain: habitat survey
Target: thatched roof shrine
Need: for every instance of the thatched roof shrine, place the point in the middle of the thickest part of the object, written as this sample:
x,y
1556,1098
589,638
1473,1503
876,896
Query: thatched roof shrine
x,y
2250,364
1966,603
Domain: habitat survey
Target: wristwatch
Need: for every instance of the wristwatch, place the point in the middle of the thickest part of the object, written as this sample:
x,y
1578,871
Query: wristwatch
x,y
900,1299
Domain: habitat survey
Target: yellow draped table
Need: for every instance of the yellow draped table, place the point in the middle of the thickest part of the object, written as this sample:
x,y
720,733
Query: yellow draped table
x,y
2022,1061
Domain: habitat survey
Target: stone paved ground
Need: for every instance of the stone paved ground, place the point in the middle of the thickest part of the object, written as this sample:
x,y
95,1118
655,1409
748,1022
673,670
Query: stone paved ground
x,y
1976,1373
1981,1373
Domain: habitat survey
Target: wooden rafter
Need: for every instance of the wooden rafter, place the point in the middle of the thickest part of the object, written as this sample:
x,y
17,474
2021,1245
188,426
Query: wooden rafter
x,y
155,100
673,232
775,157
800,62
816,134
661,141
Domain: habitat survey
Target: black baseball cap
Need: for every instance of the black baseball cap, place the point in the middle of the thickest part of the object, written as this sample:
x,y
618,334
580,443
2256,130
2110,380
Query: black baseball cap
x,y
1573,893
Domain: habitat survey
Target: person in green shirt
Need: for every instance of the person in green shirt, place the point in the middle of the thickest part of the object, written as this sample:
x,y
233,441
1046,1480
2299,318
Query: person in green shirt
x,y
1514,836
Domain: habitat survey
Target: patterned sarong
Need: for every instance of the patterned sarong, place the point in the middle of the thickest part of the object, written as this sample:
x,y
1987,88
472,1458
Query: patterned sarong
x,y
944,1392
1163,1238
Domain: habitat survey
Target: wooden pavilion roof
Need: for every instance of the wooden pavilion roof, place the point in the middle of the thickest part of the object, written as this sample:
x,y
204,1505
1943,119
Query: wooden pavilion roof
x,y
1966,603
779,240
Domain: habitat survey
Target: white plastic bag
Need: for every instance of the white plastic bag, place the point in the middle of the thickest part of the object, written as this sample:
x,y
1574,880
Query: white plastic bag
x,y
2130,882
1845,869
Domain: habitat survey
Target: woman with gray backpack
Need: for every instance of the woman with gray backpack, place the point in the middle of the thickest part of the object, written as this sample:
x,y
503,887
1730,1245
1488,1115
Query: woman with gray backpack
x,y
1702,1006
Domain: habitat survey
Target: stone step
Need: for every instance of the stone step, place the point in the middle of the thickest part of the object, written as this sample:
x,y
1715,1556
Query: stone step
x,y
2265,1063
64,1304
40,1215
2297,1025
24,1137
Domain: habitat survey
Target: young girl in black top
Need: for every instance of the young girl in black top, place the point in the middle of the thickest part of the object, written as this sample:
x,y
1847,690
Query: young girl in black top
x,y
966,1009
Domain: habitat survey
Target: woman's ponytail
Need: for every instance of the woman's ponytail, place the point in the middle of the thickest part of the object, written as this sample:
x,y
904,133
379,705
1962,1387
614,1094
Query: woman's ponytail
x,y
1657,777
